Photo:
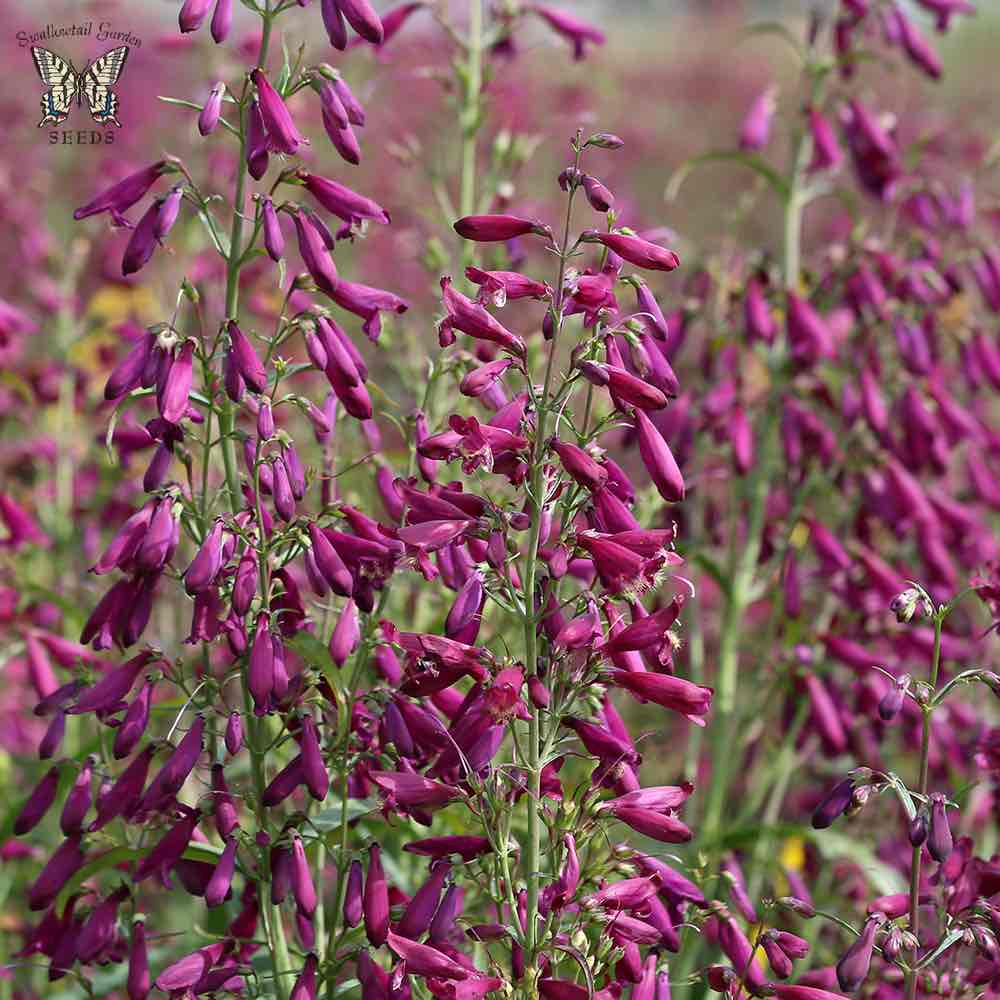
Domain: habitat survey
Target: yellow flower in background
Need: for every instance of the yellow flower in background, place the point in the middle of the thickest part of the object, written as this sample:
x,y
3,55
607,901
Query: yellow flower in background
x,y
793,854
111,305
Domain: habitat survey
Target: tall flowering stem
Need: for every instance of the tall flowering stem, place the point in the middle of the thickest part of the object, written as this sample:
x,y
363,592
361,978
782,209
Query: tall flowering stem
x,y
537,502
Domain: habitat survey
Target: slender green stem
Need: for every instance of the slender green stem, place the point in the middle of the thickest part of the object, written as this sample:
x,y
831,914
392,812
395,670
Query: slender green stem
x,y
470,119
743,557
537,503
925,749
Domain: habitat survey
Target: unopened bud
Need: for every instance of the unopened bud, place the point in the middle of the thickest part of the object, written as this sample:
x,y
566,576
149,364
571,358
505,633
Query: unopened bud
x,y
909,604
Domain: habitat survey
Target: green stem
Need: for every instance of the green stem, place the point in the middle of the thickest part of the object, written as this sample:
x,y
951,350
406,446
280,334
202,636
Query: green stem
x,y
925,750
743,558
536,500
470,120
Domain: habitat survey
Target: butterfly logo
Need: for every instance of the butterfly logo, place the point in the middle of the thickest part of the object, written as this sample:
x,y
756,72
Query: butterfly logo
x,y
66,85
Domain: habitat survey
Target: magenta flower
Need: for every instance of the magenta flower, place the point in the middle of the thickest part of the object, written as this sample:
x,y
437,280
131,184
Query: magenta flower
x,y
756,128
576,31
376,900
22,529
346,204
691,700
120,197
498,228
636,250
471,318
658,459
208,120
423,960
413,790
282,134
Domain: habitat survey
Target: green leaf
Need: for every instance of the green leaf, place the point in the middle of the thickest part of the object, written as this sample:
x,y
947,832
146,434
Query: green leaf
x,y
329,819
315,654
751,161
903,794
219,240
946,942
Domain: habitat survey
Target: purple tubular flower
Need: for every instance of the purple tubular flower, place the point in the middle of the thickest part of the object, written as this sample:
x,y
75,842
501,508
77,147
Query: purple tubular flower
x,y
143,241
207,563
636,250
343,139
190,969
498,228
257,144
168,850
472,319
346,634
658,459
332,105
125,794
305,984
208,120
361,16
808,335
282,134
274,239
66,860
38,803
834,804
333,21
302,884
260,670
600,198
939,839
313,769
826,149
127,374
314,253
120,197
353,901
284,783
234,733
222,804
245,584
419,913
246,360
756,127
138,982
284,502
760,324
171,777
852,969
222,878
134,724
176,386
193,13
423,960
376,900
341,200
222,20
52,740
576,31
112,689
329,562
